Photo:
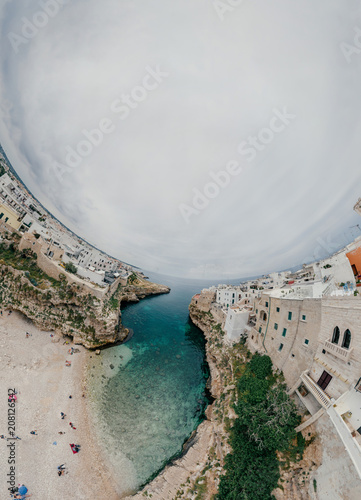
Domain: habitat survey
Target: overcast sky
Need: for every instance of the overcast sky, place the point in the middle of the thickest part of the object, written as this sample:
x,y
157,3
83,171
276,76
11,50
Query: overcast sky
x,y
183,90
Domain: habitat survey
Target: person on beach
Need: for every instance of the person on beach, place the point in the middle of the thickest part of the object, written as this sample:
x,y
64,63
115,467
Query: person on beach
x,y
72,426
62,415
61,432
34,432
75,448
62,470
2,436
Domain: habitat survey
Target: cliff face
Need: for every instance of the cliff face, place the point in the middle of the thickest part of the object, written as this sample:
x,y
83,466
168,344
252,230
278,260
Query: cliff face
x,y
296,477
66,308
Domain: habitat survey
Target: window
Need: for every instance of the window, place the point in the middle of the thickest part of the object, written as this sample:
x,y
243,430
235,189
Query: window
x,y
266,304
278,309
280,347
346,339
256,311
292,355
289,315
303,317
260,329
306,342
335,335
284,332
276,326
323,351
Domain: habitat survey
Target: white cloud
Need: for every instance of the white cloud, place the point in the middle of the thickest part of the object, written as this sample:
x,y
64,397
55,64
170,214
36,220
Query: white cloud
x,y
225,78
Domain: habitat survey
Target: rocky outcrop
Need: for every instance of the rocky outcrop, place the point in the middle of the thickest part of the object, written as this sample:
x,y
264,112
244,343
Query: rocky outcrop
x,y
65,308
139,290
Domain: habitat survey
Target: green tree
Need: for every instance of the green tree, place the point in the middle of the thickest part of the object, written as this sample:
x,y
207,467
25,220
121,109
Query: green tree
x,y
69,266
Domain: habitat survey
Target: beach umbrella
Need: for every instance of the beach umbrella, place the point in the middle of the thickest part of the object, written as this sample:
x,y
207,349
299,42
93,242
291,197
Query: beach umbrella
x,y
23,490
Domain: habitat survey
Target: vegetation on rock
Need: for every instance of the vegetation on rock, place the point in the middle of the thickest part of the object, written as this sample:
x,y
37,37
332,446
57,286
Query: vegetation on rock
x,y
265,423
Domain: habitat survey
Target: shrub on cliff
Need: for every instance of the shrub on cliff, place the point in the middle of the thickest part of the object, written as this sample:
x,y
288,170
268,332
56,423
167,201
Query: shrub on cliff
x,y
266,419
132,278
261,366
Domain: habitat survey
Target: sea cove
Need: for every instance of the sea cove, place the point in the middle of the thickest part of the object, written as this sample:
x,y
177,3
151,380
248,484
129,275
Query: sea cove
x,y
149,394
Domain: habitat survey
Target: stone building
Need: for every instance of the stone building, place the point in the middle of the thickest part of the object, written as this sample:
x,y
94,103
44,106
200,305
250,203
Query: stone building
x,y
205,299
315,342
287,330
337,363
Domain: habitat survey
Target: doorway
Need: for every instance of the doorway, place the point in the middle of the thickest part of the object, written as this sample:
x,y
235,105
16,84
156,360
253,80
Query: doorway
x,y
324,380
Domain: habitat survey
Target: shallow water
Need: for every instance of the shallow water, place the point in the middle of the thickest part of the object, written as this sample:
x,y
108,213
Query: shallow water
x,y
148,395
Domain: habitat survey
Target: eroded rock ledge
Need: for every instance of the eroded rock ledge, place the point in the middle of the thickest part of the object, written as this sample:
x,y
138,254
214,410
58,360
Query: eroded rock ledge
x,y
67,308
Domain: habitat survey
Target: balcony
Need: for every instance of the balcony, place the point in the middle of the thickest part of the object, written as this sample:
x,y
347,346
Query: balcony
x,y
316,391
337,351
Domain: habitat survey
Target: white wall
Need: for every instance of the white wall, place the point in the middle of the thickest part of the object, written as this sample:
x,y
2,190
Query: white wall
x,y
236,322
93,276
340,268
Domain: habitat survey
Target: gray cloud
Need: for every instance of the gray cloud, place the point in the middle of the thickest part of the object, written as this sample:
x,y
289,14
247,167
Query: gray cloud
x,y
225,79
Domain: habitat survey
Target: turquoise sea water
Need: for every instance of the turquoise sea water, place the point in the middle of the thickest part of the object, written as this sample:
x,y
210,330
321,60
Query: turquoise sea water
x,y
148,394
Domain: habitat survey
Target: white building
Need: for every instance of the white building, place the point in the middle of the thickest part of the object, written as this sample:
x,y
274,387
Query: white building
x,y
337,266
278,279
228,295
236,321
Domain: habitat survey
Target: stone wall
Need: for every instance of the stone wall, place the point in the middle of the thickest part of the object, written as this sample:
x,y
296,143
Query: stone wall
x,y
52,267
289,350
312,324
345,313
205,299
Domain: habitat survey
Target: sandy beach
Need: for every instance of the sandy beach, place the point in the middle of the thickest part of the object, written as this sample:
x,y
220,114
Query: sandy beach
x,y
35,367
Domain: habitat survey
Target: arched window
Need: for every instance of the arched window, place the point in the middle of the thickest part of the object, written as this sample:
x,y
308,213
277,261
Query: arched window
x,y
346,339
263,316
336,335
